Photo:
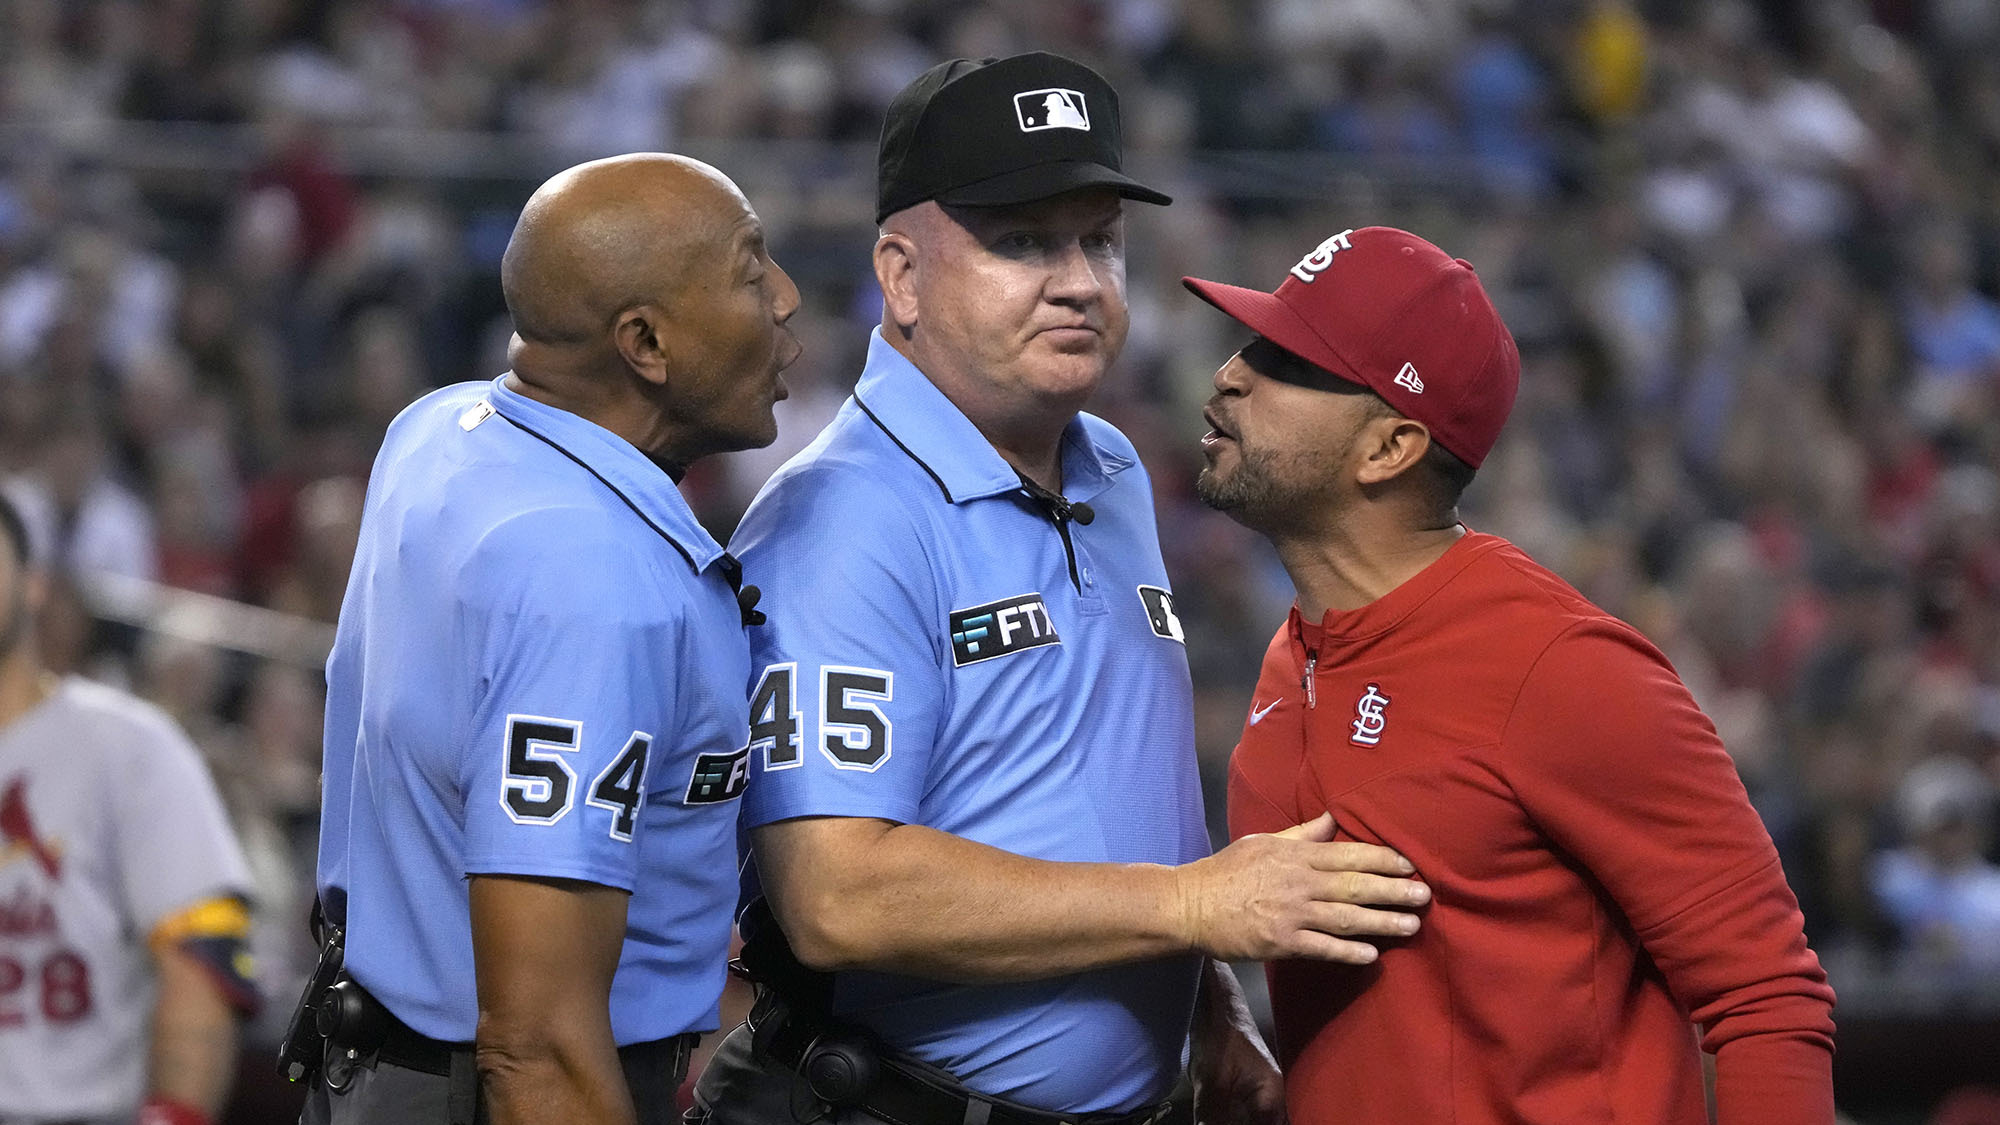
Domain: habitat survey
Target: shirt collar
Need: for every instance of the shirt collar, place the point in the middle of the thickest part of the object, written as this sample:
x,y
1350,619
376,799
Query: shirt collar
x,y
938,436
1343,626
642,485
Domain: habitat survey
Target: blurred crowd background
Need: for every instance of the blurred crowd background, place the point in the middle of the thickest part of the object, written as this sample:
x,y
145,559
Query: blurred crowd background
x,y
1751,252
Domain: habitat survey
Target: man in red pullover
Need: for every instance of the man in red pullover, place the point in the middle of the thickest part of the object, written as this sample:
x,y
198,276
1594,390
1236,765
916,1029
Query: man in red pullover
x,y
1599,880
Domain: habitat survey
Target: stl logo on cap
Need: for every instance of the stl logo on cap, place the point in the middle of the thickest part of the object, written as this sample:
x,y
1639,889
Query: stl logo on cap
x,y
1051,109
1321,257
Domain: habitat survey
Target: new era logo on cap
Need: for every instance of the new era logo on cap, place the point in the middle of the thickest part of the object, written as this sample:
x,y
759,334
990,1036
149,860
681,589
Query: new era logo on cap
x,y
1408,379
1051,109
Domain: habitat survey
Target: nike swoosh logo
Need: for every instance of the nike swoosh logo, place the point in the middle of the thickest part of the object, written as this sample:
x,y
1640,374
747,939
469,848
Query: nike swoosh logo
x,y
1257,715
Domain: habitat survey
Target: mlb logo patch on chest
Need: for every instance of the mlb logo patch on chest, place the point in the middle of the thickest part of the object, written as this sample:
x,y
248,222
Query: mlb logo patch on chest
x,y
1159,603
1002,628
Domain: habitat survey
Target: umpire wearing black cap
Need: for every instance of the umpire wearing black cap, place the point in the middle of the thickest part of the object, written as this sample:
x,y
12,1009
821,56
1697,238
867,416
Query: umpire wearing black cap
x,y
987,893
995,133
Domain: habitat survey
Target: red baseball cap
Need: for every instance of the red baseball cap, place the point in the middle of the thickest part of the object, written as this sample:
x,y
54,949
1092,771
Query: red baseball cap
x,y
1383,308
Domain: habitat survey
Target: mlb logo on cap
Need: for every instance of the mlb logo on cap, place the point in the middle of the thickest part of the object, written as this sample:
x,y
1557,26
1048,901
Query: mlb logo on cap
x,y
1000,132
1051,109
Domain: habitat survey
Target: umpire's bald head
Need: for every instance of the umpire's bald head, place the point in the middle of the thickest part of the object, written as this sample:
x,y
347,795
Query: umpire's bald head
x,y
644,298
612,233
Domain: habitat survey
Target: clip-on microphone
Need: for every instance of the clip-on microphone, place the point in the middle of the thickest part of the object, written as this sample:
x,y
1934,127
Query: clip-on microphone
x,y
1057,505
746,596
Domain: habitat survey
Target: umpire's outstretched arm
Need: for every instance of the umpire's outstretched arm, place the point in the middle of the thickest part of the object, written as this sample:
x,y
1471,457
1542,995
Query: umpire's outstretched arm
x,y
857,892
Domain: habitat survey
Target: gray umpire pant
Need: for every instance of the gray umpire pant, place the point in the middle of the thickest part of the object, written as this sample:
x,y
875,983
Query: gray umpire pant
x,y
741,1087
381,1093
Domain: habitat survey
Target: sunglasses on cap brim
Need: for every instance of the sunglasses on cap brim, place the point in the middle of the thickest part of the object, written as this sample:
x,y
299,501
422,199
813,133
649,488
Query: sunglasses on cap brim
x,y
1274,362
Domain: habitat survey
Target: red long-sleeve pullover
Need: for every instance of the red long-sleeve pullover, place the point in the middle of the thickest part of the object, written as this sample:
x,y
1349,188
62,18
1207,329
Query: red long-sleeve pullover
x,y
1600,881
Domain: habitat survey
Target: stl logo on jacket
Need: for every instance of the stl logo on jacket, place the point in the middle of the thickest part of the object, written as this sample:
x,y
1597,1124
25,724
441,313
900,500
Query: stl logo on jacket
x,y
1370,718
17,832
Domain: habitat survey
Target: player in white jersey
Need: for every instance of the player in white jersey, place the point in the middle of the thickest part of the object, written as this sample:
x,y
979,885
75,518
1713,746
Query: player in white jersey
x,y
122,917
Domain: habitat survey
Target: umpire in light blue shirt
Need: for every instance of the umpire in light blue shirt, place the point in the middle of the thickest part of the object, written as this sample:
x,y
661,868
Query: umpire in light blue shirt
x,y
535,715
974,810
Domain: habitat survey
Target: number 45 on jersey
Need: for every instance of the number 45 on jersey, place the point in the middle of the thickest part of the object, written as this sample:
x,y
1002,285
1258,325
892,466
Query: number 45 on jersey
x,y
854,732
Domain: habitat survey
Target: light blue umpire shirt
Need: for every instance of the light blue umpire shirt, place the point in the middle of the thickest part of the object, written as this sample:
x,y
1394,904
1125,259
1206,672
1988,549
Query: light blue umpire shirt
x,y
943,650
539,670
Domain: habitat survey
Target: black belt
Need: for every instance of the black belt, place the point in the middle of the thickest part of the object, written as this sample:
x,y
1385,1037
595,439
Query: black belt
x,y
909,1092
404,1047
413,1051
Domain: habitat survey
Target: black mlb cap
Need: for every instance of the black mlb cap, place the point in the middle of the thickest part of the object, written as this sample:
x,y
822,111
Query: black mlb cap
x,y
998,131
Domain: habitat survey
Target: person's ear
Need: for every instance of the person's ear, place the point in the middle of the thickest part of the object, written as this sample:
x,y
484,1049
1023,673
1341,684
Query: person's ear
x,y
896,272
639,334
1391,446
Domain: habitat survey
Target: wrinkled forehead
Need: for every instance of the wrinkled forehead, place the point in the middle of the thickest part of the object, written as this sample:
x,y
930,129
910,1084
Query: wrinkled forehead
x,y
746,231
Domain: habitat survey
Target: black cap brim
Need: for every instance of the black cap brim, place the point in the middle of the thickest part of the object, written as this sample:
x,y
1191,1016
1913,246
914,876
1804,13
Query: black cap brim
x,y
1040,181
